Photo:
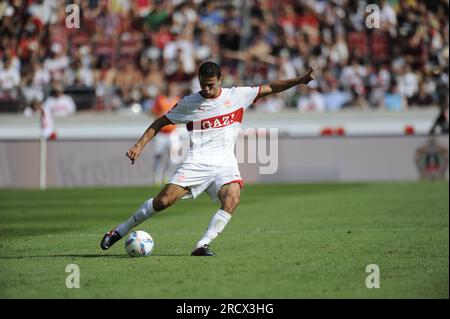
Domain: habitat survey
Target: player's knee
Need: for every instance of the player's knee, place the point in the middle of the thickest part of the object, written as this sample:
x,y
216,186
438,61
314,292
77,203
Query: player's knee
x,y
162,202
231,202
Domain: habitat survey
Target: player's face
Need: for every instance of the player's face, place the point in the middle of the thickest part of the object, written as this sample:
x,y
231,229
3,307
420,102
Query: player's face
x,y
210,86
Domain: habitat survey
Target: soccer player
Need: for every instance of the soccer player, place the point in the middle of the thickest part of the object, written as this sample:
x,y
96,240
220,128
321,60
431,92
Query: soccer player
x,y
213,118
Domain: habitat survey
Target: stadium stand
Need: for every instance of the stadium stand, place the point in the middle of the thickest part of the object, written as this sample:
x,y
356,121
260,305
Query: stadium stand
x,y
254,41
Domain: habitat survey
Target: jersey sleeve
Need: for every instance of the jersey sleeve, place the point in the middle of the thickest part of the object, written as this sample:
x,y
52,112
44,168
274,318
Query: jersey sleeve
x,y
178,115
247,95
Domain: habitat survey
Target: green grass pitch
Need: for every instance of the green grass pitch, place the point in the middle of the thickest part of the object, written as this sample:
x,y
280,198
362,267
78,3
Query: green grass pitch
x,y
285,241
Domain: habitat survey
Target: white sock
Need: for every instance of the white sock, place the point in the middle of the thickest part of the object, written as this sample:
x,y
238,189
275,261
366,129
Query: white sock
x,y
215,227
143,213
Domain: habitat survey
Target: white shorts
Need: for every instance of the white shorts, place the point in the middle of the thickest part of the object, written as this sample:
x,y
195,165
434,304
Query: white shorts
x,y
202,177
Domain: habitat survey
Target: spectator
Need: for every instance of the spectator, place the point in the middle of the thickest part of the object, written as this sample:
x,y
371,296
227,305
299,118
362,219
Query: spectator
x,y
270,104
57,62
9,80
421,98
335,98
44,11
393,100
339,50
158,15
59,104
41,77
171,37
310,100
358,99
30,91
79,75
352,75
388,18
129,81
153,79
407,81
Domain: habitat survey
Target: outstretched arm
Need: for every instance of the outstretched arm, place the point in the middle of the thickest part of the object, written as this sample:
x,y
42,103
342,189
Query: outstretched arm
x,y
282,85
134,152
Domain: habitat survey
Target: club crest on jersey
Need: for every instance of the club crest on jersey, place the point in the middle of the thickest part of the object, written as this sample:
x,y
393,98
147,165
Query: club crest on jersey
x,y
180,177
227,104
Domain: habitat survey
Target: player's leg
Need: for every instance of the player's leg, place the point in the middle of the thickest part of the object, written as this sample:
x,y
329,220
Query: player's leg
x,y
229,196
170,194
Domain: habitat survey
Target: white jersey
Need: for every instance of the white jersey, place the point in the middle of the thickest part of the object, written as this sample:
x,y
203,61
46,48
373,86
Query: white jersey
x,y
60,106
213,124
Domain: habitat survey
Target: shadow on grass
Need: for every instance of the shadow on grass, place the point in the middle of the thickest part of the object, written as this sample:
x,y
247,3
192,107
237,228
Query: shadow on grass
x,y
170,255
68,255
89,256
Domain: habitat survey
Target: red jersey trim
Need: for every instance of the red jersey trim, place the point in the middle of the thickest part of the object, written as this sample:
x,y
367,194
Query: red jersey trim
x,y
217,121
239,181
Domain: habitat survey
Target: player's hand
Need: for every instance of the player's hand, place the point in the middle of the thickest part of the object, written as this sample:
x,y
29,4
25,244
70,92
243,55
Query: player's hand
x,y
133,153
308,77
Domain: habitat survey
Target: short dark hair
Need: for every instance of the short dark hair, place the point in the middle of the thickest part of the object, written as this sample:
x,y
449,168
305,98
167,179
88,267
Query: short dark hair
x,y
209,69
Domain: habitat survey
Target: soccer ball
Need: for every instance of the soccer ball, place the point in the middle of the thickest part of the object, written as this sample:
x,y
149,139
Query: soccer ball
x,y
139,244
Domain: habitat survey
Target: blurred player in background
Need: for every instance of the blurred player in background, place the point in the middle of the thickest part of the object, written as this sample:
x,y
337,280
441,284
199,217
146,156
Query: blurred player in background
x,y
213,118
163,143
46,118
57,104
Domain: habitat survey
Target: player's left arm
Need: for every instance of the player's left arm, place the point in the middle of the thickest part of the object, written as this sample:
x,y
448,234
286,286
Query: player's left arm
x,y
134,152
283,85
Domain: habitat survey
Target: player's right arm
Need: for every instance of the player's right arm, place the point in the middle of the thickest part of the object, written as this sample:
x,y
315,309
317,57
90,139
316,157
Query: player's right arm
x,y
134,152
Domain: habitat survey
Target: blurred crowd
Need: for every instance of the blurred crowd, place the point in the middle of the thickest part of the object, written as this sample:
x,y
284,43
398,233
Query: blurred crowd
x,y
127,52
